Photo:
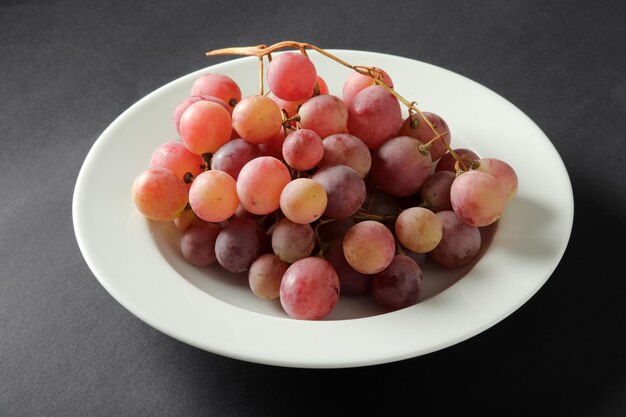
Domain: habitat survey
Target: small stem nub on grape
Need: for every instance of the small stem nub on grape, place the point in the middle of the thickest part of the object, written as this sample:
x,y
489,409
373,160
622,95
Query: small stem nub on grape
x,y
206,157
188,178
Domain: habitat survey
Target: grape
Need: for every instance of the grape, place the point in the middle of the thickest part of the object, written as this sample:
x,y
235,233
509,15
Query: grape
x,y
274,146
303,149
369,246
477,198
291,76
399,285
345,190
257,119
415,126
180,109
332,229
460,242
435,191
309,289
265,275
233,155
325,114
198,243
205,126
504,173
292,241
418,229
159,194
175,156
239,243
291,107
374,116
186,219
357,82
447,161
213,196
322,87
379,203
217,85
346,149
351,281
399,167
303,200
260,183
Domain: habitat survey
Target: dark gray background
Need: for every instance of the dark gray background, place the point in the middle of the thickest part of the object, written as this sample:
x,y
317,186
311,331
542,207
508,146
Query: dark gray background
x,y
69,68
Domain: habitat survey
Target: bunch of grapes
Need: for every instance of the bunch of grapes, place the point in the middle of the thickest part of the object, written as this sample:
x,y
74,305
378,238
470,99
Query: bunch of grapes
x,y
313,195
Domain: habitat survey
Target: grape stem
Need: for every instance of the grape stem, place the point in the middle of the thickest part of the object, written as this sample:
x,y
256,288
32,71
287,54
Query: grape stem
x,y
263,50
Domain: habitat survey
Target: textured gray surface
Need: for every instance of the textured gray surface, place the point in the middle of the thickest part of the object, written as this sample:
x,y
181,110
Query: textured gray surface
x,y
69,68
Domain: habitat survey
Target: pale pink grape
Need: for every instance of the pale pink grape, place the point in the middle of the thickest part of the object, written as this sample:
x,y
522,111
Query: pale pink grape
x,y
357,82
291,76
303,149
213,196
265,275
303,200
159,194
260,183
346,149
309,289
325,114
205,126
257,119
369,246
418,229
477,198
217,85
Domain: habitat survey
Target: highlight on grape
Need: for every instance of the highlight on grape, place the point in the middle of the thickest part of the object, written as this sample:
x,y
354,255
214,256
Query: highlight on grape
x,y
314,195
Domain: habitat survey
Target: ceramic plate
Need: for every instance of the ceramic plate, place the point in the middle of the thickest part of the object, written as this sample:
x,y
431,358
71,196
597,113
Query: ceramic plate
x,y
139,262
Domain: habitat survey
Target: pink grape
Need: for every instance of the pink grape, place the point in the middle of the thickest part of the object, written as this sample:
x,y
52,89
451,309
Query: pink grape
x,y
504,173
351,281
435,191
291,107
233,155
265,275
374,116
182,106
324,114
477,198
159,194
205,126
357,82
239,243
176,157
460,243
399,285
309,289
291,76
447,162
292,241
217,85
303,200
369,246
346,149
417,127
213,196
303,149
274,146
260,183
321,85
399,167
418,229
257,119
186,219
345,190
197,243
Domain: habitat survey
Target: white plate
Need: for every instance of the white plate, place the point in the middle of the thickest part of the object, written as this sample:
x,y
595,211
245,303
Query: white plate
x,y
139,264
